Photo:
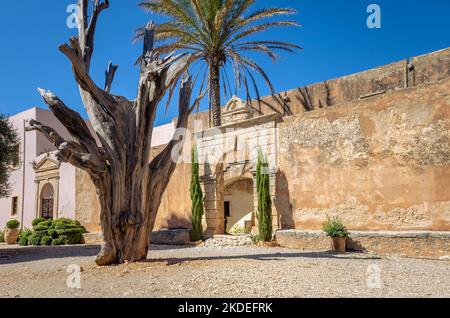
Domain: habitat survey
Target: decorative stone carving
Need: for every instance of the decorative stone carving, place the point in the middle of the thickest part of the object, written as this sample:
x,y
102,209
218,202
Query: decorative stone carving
x,y
236,110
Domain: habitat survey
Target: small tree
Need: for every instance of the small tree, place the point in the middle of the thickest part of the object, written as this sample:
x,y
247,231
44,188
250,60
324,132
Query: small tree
x,y
9,153
264,213
196,198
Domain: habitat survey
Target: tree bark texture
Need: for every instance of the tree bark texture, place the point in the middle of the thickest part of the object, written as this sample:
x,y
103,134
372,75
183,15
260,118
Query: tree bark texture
x,y
129,186
214,95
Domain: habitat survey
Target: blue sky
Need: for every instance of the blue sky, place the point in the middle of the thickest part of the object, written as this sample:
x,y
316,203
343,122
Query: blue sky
x,y
334,35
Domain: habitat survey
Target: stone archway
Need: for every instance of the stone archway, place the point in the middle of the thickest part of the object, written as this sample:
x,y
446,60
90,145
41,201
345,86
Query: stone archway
x,y
230,153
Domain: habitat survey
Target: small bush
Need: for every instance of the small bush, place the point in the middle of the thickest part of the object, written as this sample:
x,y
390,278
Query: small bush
x,y
37,221
43,225
24,237
46,240
334,227
65,223
2,237
58,241
34,240
255,238
53,232
13,224
236,230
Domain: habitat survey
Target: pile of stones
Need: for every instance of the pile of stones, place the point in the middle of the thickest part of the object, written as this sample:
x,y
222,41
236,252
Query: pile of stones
x,y
228,241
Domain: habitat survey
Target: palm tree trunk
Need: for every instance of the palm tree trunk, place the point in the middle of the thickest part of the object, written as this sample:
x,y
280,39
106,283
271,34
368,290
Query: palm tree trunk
x,y
214,93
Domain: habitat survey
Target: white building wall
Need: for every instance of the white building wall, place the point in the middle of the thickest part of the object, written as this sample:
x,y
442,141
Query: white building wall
x,y
22,178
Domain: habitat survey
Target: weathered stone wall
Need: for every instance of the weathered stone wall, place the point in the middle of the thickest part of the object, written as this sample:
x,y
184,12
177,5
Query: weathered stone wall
x,y
422,69
411,244
381,163
87,206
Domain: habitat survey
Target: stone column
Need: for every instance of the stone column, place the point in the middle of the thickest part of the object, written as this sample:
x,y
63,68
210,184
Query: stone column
x,y
214,217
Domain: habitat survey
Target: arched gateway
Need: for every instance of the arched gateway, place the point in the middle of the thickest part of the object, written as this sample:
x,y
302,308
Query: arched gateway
x,y
228,157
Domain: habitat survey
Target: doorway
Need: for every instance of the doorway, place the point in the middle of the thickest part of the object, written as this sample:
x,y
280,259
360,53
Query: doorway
x,y
238,206
47,201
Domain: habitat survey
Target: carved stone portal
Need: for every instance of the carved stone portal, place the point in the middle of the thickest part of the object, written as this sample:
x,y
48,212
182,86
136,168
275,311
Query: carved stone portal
x,y
228,154
47,186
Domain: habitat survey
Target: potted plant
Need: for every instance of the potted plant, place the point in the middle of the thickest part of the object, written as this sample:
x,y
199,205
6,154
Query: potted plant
x,y
334,228
12,232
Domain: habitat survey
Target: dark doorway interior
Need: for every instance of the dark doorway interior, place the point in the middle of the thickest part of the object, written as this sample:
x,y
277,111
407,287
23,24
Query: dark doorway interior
x,y
227,213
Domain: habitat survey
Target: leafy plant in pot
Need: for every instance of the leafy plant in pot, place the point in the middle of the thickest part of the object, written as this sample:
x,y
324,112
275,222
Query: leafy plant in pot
x,y
334,228
12,232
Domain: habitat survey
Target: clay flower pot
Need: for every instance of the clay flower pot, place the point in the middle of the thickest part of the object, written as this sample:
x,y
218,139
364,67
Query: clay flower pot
x,y
338,244
11,236
268,244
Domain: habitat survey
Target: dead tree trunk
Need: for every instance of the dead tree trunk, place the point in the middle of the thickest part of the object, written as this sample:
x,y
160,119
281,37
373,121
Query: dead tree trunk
x,y
129,186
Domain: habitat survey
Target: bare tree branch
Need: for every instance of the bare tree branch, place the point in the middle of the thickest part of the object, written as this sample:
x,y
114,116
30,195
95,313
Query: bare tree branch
x,y
70,151
48,132
86,28
109,76
82,76
72,121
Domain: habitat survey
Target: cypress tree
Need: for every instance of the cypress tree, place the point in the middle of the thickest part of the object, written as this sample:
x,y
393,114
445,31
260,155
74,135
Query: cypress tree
x,y
264,212
196,198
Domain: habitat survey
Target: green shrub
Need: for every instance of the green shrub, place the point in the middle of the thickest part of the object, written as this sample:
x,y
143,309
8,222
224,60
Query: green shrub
x,y
334,227
24,237
196,199
70,239
37,221
58,241
264,211
2,237
255,238
43,225
34,240
46,240
13,224
54,232
236,229
65,223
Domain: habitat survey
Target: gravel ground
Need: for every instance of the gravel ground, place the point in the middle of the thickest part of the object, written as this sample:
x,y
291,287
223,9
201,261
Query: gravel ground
x,y
220,272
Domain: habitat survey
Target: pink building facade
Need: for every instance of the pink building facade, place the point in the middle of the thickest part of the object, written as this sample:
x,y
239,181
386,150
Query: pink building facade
x,y
42,186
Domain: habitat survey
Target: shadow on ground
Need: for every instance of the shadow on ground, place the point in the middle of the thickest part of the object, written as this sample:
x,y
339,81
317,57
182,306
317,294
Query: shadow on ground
x,y
266,257
11,255
28,254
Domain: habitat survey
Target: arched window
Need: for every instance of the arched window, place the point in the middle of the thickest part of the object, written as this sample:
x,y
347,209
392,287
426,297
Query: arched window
x,y
47,198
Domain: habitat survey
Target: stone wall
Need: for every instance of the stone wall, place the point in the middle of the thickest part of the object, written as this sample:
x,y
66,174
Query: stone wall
x,y
416,71
411,244
379,157
381,163
87,206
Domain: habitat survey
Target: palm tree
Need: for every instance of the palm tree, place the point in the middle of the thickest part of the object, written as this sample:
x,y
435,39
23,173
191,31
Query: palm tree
x,y
217,32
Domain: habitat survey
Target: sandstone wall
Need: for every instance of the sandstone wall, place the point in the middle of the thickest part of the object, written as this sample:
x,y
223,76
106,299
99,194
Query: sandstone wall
x,y
87,206
381,163
418,70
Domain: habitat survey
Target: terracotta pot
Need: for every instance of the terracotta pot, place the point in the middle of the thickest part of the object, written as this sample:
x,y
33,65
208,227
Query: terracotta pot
x,y
11,236
268,244
338,244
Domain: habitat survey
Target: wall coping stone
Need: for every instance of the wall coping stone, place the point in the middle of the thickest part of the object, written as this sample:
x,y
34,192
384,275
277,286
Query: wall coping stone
x,y
355,234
